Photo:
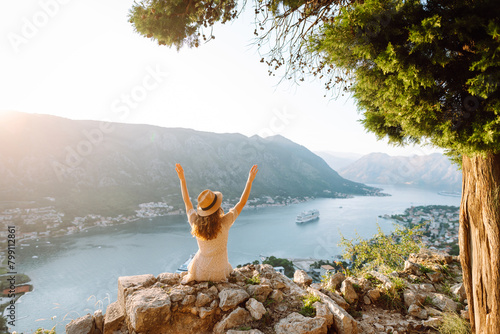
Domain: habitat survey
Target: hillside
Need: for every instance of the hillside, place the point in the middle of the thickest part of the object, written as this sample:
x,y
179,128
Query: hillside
x,y
109,168
434,170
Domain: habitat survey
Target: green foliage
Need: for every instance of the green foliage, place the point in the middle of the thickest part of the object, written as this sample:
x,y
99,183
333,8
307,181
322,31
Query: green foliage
x,y
307,309
179,22
254,280
425,269
421,70
279,262
454,324
386,251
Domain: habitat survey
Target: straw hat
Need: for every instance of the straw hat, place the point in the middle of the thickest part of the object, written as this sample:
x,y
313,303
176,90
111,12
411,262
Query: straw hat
x,y
208,202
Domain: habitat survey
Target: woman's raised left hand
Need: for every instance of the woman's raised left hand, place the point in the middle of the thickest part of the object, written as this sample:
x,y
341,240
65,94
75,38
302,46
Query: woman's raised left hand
x,y
180,171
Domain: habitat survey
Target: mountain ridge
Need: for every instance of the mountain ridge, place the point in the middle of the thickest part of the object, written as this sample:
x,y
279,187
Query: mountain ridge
x,y
434,171
110,166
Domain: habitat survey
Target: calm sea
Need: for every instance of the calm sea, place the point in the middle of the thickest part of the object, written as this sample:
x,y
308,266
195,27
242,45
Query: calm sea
x,y
75,275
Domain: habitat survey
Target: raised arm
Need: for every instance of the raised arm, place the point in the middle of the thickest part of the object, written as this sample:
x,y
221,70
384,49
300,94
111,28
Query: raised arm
x,y
184,189
244,197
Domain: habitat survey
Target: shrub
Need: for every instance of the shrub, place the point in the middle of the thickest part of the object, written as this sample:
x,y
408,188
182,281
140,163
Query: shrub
x,y
254,280
454,324
389,251
308,310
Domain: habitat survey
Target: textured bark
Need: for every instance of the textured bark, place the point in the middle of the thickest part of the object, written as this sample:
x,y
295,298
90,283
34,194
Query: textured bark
x,y
479,240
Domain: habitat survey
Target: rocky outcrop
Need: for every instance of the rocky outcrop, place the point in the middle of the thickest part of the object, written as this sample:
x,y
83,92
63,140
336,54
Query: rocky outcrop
x,y
161,305
413,300
256,299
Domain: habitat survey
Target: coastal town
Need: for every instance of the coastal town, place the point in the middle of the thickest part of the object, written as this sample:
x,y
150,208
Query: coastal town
x,y
40,222
439,225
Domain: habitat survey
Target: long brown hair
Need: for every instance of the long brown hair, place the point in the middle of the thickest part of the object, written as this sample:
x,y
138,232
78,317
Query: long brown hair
x,y
207,228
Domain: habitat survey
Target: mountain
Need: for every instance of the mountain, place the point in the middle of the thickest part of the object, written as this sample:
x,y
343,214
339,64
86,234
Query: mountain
x,y
434,170
107,168
338,160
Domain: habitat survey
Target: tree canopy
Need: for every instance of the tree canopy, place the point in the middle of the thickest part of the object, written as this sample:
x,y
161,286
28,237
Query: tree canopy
x,y
422,69
419,70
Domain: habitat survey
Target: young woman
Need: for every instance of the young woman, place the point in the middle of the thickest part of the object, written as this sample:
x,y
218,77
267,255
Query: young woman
x,y
211,226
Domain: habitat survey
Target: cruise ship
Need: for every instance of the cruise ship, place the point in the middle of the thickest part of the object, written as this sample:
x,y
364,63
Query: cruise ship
x,y
307,216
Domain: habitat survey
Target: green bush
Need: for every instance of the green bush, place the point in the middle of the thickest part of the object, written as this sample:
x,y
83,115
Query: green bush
x,y
308,309
382,251
454,324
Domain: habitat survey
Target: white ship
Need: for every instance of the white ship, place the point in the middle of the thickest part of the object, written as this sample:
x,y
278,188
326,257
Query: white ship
x,y
307,216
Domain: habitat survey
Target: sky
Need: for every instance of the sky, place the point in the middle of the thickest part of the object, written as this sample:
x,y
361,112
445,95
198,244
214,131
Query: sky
x,y
82,60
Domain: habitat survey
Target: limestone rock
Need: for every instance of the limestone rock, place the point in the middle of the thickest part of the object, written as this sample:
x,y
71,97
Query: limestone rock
x,y
238,317
202,299
338,299
458,290
302,278
435,277
348,291
99,321
444,303
169,278
382,278
259,292
129,284
432,312
433,322
176,295
230,298
411,296
252,331
149,308
81,325
373,294
334,281
256,308
344,323
322,311
114,318
296,323
208,311
277,296
188,300
411,267
418,312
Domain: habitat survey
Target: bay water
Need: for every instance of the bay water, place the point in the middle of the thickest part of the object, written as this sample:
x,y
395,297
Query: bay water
x,y
77,274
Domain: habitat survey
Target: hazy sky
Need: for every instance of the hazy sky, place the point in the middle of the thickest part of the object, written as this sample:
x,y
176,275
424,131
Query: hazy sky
x,y
82,60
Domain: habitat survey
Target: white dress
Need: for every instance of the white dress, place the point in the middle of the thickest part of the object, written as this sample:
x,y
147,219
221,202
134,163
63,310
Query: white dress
x,y
211,262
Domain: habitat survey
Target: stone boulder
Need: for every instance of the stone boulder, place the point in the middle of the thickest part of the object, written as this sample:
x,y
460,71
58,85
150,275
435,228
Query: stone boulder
x,y
343,322
230,298
334,281
83,325
302,278
348,291
296,323
148,308
256,308
237,317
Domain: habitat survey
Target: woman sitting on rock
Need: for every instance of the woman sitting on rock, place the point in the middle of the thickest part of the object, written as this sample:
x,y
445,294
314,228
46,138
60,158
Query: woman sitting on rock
x,y
211,226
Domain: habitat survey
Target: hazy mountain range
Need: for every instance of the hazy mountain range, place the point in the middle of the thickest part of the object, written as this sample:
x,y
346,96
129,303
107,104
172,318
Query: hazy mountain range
x,y
108,167
433,171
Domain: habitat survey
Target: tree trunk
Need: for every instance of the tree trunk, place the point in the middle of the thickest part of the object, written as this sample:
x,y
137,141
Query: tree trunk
x,y
479,239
